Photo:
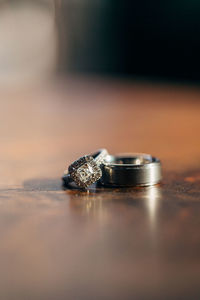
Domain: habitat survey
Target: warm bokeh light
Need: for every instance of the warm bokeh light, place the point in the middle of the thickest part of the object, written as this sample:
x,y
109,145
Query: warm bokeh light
x,y
28,42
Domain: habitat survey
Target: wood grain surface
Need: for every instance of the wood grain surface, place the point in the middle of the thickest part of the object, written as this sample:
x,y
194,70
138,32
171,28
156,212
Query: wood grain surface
x,y
117,244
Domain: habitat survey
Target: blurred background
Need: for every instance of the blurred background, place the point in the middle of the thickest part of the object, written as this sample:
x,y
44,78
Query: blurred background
x,y
148,39
139,38
79,75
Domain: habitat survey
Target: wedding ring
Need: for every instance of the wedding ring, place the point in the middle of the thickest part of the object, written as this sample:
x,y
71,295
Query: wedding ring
x,y
86,170
131,170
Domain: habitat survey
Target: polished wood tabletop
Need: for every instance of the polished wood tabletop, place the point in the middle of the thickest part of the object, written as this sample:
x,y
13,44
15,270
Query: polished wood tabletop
x,y
134,243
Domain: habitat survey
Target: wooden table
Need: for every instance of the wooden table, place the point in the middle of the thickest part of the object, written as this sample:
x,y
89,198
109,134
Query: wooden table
x,y
103,244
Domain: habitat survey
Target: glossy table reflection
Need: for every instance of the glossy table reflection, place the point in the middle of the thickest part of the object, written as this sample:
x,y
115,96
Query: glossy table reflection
x,y
141,243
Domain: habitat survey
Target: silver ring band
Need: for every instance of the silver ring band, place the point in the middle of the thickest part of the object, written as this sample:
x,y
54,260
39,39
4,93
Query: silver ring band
x,y
131,170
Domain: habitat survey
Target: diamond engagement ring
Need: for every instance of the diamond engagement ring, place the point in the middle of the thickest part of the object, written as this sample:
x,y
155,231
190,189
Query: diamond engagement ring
x,y
86,170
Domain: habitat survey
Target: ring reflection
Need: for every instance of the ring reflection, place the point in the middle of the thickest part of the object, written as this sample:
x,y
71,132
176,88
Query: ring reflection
x,y
153,196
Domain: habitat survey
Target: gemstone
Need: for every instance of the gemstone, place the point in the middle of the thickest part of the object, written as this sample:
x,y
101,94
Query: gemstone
x,y
85,172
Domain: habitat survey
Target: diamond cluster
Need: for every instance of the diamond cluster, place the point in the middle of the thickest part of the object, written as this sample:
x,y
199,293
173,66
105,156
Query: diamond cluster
x,y
85,171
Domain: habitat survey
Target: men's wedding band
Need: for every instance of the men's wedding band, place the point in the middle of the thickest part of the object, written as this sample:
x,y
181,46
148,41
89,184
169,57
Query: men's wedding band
x,y
86,170
131,170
